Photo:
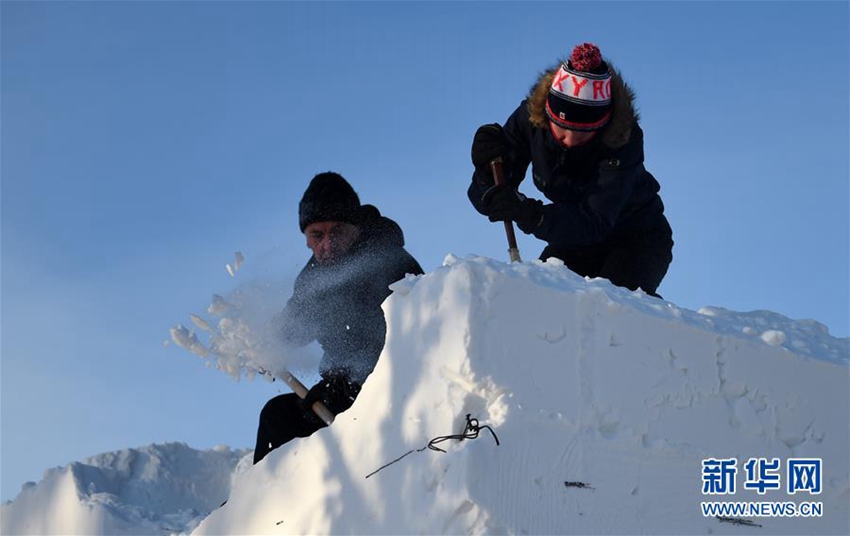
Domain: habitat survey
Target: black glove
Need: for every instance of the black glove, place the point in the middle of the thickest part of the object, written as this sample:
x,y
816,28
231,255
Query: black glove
x,y
503,203
489,143
335,391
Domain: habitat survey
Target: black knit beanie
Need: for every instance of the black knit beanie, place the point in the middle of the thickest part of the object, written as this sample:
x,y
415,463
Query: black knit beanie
x,y
329,197
580,95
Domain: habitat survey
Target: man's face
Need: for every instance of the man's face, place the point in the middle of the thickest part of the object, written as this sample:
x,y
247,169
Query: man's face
x,y
330,240
570,138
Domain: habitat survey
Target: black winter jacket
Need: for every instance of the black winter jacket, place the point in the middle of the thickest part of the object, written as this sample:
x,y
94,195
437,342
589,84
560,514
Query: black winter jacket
x,y
599,192
339,304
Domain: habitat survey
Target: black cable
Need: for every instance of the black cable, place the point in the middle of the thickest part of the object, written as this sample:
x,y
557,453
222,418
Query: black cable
x,y
471,431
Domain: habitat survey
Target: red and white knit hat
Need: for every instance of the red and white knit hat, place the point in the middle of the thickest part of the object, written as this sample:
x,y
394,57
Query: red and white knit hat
x,y
580,94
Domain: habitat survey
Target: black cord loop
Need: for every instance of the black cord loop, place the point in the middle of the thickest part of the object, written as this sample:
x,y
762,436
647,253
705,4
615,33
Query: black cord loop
x,y
471,431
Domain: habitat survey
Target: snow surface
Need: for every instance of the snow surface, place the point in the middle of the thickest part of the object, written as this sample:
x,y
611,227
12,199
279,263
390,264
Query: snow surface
x,y
618,394
157,489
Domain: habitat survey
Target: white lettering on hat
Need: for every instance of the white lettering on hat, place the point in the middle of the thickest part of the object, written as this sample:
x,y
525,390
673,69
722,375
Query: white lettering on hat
x,y
584,89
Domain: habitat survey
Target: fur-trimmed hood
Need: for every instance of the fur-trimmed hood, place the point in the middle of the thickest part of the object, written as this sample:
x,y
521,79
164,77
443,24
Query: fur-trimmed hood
x,y
623,114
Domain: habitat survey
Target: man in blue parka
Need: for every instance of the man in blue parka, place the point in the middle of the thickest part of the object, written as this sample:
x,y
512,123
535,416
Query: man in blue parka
x,y
579,131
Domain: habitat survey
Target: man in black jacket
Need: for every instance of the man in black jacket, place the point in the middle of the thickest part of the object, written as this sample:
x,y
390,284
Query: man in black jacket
x,y
357,254
579,131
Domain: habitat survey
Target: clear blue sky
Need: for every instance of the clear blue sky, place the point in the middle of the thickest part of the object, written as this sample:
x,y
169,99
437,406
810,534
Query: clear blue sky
x,y
145,142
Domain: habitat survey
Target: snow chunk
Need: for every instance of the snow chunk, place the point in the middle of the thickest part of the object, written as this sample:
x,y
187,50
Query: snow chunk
x,y
233,268
773,337
201,323
188,340
219,306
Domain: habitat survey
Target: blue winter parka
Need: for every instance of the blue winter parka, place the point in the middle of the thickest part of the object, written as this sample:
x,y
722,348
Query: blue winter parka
x,y
600,192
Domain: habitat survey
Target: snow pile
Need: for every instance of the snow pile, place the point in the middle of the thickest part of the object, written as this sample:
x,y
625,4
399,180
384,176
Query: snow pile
x,y
605,404
157,489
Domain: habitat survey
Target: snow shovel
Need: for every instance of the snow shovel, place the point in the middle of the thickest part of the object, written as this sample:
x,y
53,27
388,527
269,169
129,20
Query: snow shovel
x,y
513,250
299,389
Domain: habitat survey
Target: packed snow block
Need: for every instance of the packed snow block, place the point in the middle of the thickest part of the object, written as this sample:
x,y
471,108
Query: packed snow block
x,y
605,403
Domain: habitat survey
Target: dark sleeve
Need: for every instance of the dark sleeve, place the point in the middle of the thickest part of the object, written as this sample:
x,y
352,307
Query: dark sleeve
x,y
295,323
365,328
517,130
408,265
358,326
371,323
592,217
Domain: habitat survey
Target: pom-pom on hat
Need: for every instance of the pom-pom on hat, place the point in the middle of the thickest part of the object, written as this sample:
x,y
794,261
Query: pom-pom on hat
x,y
580,94
329,197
